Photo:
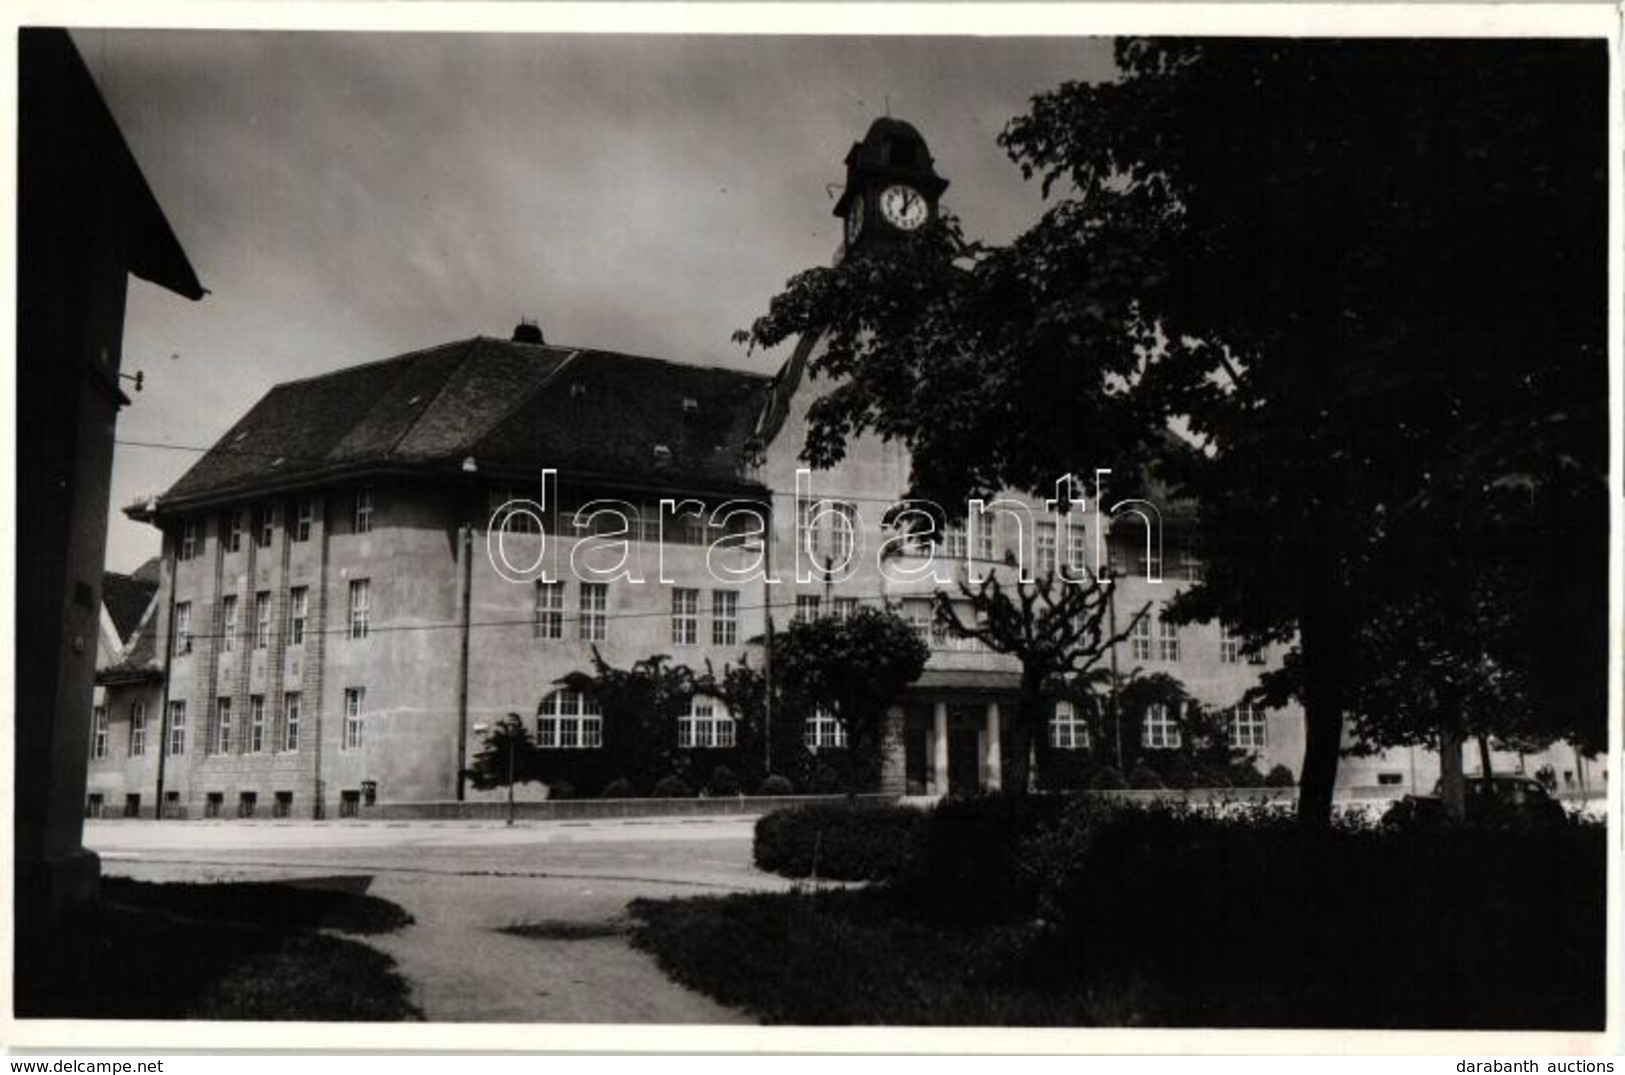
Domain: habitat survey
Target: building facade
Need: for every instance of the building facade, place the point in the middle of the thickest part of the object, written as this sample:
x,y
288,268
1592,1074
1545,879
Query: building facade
x,y
373,568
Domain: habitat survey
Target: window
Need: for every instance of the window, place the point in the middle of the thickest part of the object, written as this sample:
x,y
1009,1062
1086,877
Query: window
x,y
304,517
1161,730
806,529
212,803
138,729
183,628
98,732
353,698
1248,728
95,803
228,623
954,541
1167,641
1150,566
843,531
246,802
984,536
189,540
842,608
807,606
1194,569
1229,646
262,619
298,610
267,528
685,617
1390,779
290,721
235,524
222,725
177,727
1140,638
549,609
360,607
823,731
569,720
282,805
256,723
1044,548
1077,550
132,805
363,510
172,804
1067,729
707,724
594,625
920,615
724,618
349,803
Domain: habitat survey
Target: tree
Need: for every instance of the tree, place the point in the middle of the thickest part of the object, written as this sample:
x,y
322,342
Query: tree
x,y
507,756
639,707
1056,628
1369,279
853,667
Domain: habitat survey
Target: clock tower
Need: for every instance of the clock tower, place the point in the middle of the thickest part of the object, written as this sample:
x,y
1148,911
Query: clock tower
x,y
892,187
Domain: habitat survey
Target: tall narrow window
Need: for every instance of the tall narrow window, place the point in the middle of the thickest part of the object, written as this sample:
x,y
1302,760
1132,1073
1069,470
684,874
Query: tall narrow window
x,y
98,732
842,608
685,617
363,510
594,625
569,720
843,532
266,532
984,536
189,539
806,530
1161,731
1140,637
955,544
1044,548
304,518
549,609
222,725
298,612
1229,646
807,606
138,729
235,524
705,725
353,698
1167,640
262,619
290,721
228,623
183,628
724,617
1077,550
360,607
177,727
256,723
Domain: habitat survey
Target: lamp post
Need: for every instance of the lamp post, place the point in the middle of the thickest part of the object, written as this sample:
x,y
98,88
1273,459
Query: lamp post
x,y
509,723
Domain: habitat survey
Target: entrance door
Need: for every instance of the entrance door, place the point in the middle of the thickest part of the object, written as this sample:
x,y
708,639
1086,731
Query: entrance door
x,y
964,761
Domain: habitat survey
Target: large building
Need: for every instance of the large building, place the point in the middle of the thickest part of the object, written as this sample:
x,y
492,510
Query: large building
x,y
349,600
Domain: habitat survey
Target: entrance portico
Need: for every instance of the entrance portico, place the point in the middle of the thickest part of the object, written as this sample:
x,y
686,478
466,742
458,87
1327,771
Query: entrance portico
x,y
953,732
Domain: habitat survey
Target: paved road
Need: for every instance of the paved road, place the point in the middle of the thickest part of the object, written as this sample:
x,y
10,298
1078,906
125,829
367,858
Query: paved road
x,y
462,881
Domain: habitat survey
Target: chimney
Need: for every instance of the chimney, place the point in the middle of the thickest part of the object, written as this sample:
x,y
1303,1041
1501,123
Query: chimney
x,y
528,331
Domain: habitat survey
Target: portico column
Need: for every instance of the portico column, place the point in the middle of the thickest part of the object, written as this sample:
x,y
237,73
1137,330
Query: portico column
x,y
939,748
994,758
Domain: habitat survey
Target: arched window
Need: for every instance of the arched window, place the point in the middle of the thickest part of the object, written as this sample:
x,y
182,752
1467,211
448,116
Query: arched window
x,y
706,724
1068,728
569,720
824,731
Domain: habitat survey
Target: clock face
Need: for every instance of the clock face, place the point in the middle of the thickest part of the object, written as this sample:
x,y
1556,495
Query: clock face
x,y
903,207
854,220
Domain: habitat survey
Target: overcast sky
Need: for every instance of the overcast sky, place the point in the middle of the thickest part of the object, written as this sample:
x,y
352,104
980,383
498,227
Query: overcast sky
x,y
349,197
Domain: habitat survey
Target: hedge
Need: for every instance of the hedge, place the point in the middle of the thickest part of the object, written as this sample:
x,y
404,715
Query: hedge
x,y
839,841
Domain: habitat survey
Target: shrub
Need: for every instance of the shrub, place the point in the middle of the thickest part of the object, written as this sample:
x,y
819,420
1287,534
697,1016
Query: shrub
x,y
1177,772
966,866
1109,778
672,787
619,788
827,780
724,781
839,841
1246,775
774,784
1279,777
561,789
1143,778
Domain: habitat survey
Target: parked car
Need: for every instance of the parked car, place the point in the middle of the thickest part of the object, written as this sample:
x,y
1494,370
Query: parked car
x,y
1503,800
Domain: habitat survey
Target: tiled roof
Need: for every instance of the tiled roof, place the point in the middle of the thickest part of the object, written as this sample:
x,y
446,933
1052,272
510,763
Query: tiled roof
x,y
126,598
512,406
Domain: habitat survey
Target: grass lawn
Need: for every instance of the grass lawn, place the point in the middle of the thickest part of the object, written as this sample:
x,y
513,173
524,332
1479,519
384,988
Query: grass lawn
x,y
217,951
